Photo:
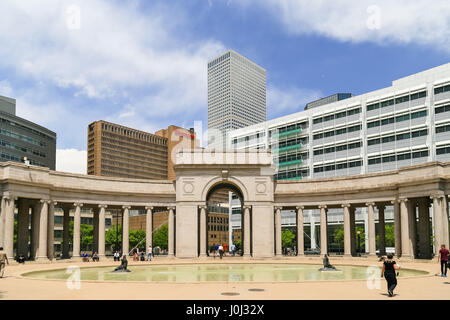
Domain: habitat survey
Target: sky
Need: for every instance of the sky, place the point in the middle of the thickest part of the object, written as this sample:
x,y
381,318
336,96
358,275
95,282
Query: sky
x,y
143,64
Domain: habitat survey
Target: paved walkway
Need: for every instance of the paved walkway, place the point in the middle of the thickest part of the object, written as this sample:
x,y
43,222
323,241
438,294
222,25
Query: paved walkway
x,y
13,286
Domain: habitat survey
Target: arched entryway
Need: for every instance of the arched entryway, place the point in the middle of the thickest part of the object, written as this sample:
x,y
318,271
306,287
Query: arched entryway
x,y
225,219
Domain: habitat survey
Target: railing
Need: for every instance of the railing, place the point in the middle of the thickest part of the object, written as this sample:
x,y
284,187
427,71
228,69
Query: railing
x,y
295,146
286,133
288,163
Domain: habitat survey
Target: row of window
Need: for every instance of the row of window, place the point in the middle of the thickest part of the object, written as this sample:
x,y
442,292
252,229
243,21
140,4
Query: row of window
x,y
399,157
442,150
338,115
291,174
292,157
212,63
337,132
338,166
22,137
403,117
442,109
9,145
338,148
33,131
398,100
290,128
442,89
402,136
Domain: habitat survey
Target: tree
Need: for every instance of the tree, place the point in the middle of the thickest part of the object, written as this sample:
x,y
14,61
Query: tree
x,y
287,238
114,236
161,237
137,238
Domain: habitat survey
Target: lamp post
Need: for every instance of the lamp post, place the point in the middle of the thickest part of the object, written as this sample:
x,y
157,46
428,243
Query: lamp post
x,y
359,243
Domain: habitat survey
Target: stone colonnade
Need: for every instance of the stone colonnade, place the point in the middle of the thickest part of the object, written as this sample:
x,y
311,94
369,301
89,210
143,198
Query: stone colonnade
x,y
38,244
411,224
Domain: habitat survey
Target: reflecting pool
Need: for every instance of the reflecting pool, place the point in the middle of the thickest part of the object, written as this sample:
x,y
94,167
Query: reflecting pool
x,y
221,273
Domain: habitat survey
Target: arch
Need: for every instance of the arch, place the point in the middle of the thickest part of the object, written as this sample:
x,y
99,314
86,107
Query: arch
x,y
231,183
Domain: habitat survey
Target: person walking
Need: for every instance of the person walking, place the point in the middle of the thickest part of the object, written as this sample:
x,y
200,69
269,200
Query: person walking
x,y
443,258
389,273
233,249
3,261
221,251
149,253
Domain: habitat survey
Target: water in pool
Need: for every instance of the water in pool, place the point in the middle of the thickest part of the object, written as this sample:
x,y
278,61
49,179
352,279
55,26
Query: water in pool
x,y
222,273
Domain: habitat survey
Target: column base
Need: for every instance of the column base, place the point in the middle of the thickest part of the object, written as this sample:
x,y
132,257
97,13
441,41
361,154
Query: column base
x,y
170,256
42,259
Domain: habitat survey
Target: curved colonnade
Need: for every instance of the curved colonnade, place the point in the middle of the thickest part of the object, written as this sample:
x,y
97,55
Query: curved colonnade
x,y
410,190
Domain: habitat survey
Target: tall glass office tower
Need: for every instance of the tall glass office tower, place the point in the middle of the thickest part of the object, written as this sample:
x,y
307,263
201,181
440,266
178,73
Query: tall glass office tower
x,y
236,96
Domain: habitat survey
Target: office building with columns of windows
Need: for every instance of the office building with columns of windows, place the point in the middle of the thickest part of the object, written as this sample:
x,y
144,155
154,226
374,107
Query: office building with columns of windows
x,y
405,124
236,96
22,140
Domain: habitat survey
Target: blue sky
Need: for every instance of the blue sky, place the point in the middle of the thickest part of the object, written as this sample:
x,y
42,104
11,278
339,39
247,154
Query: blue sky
x,y
143,63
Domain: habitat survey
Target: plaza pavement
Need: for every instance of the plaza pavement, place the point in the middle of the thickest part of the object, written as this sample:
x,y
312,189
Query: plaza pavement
x,y
13,286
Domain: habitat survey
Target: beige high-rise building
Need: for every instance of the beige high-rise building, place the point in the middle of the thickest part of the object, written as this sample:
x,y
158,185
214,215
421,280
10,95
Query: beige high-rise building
x,y
119,151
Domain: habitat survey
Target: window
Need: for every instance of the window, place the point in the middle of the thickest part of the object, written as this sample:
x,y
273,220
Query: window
x,y
341,148
388,159
329,150
374,142
443,150
341,115
374,106
405,156
374,161
328,134
420,154
442,89
341,166
387,121
420,133
387,103
402,99
373,124
403,136
318,136
317,120
318,169
418,95
353,111
330,167
341,131
419,114
388,139
328,118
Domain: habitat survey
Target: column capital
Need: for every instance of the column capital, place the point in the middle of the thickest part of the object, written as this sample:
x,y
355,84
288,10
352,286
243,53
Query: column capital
x,y
381,206
44,201
148,207
126,207
437,196
77,204
395,201
246,207
104,206
403,199
278,207
171,208
300,207
370,204
322,206
205,207
346,205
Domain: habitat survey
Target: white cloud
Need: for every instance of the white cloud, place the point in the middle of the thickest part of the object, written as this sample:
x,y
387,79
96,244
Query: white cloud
x,y
288,100
402,21
5,88
116,54
71,160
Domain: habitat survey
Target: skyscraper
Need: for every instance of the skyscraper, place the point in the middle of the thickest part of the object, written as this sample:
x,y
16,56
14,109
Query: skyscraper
x,y
236,96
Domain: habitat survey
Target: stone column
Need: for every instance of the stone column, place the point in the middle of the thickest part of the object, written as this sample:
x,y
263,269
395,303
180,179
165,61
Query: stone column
x,y
43,228
412,228
246,231
22,226
76,230
437,219
300,236
126,230
404,213
171,231
312,230
35,229
323,229
148,228
95,220
278,248
445,234
424,230
8,241
352,231
397,228
203,232
2,222
51,230
382,229
371,222
101,229
347,230
66,232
